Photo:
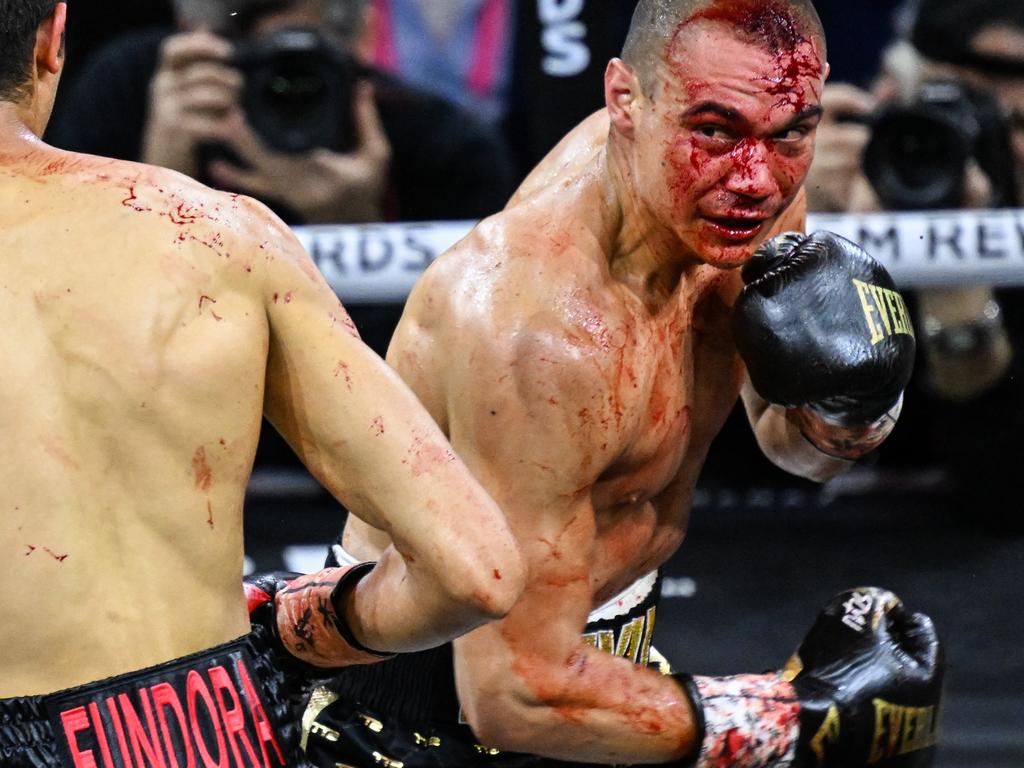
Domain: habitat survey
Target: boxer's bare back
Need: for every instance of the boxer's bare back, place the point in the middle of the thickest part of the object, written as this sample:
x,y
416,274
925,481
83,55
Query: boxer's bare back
x,y
148,324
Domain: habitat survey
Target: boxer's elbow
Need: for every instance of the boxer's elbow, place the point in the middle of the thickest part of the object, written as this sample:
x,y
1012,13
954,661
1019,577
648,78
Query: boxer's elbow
x,y
488,584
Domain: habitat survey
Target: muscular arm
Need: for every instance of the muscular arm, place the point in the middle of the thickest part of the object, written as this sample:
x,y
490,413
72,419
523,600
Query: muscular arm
x,y
363,434
527,413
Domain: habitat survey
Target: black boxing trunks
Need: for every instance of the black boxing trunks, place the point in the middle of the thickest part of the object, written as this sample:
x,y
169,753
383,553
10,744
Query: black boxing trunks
x,y
404,712
225,707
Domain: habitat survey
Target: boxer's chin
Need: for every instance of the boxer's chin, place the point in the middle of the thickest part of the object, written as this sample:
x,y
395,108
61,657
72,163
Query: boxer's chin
x,y
728,256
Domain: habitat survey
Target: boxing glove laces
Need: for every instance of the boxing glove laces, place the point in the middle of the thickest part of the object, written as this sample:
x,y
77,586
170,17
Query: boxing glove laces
x,y
305,617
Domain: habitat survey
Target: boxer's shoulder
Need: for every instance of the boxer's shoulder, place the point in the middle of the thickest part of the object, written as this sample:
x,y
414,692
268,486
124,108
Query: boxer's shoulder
x,y
156,199
516,277
569,157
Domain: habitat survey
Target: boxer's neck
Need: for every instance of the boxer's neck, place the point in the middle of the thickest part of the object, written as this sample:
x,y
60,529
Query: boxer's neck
x,y
20,124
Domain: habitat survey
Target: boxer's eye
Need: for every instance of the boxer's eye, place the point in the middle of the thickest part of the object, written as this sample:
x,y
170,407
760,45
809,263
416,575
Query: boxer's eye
x,y
712,132
792,134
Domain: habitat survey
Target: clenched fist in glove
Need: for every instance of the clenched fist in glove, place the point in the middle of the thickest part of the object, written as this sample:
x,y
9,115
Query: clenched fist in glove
x,y
863,689
305,616
823,331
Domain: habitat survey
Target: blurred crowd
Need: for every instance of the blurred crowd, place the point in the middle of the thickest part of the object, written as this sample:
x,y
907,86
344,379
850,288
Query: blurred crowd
x,y
335,111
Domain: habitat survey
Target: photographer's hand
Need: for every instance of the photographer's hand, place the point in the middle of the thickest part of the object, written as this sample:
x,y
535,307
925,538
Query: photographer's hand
x,y
841,138
191,98
321,186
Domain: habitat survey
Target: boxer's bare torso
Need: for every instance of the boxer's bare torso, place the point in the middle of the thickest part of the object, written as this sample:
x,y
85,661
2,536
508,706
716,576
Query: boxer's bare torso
x,y
523,329
134,346
149,322
583,397
577,349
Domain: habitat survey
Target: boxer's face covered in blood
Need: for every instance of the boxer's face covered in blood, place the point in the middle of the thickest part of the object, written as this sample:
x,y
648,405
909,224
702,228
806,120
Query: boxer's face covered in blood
x,y
729,133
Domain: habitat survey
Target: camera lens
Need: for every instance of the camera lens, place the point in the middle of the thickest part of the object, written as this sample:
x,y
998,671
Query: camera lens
x,y
294,85
915,161
298,92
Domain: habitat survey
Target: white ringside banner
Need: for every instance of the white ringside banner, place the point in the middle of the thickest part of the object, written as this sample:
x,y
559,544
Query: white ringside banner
x,y
368,263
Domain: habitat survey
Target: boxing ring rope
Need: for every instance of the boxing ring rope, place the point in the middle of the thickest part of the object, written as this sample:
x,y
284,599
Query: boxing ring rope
x,y
380,263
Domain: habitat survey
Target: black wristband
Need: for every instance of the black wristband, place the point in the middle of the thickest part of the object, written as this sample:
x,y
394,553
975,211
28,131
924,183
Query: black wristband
x,y
338,594
685,680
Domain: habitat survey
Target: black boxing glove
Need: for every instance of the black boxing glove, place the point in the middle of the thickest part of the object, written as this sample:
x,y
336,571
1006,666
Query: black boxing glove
x,y
304,617
822,330
864,688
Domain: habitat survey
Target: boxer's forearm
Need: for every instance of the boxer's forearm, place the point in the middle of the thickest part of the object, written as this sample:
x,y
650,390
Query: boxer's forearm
x,y
402,607
593,707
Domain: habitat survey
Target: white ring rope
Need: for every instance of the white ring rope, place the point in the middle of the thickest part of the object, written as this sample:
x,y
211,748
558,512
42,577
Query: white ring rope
x,y
369,263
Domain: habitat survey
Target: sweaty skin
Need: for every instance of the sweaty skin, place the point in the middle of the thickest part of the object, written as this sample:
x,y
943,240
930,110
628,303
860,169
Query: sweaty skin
x,y
148,323
576,349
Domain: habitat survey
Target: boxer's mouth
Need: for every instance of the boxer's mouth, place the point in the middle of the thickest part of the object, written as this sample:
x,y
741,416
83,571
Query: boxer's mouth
x,y
735,227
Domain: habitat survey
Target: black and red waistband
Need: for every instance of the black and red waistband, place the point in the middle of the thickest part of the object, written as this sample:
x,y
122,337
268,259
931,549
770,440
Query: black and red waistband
x,y
225,707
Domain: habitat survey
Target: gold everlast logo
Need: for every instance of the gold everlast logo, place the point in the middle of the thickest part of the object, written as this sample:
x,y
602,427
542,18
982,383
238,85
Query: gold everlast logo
x,y
899,730
633,641
828,733
884,310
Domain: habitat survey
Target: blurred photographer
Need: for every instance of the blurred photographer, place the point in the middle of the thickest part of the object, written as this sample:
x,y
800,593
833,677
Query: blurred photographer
x,y
944,128
272,98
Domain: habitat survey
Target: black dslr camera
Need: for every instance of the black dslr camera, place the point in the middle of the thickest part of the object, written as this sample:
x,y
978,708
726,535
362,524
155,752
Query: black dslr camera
x,y
917,156
298,90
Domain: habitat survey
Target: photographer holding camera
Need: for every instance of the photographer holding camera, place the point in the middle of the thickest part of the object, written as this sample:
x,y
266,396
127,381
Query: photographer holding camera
x,y
272,98
944,129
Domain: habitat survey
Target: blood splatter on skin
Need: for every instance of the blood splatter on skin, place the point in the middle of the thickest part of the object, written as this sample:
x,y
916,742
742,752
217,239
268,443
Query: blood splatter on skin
x,y
342,369
54,166
423,456
31,549
131,201
201,469
202,300
342,316
767,21
378,426
209,514
772,26
182,215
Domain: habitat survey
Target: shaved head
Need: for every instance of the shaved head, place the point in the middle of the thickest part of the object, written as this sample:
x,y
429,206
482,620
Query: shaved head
x,y
775,25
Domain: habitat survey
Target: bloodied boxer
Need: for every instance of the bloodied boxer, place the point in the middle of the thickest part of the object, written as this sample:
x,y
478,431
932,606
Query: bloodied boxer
x,y
581,349
148,324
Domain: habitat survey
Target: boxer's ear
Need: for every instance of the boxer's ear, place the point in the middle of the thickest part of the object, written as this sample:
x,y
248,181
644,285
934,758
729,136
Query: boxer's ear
x,y
50,40
621,95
